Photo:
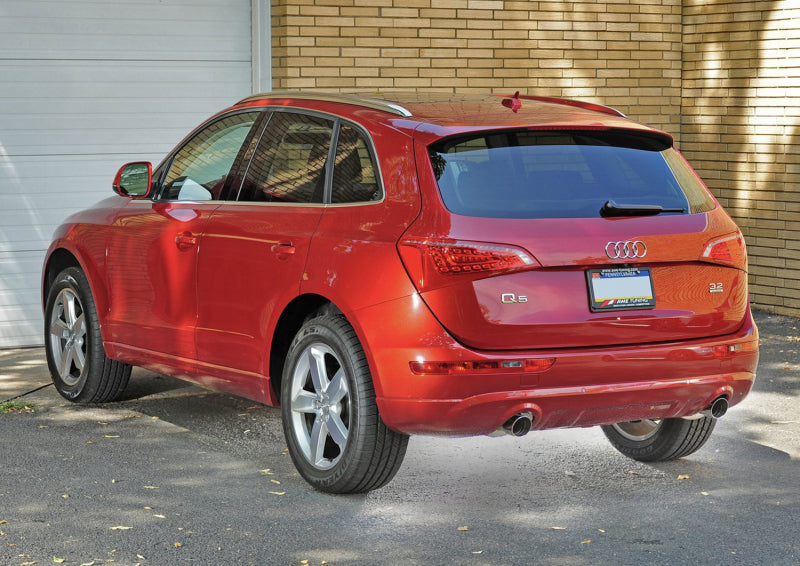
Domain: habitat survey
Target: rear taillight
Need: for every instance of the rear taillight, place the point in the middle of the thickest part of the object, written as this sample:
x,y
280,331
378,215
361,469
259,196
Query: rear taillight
x,y
726,250
432,263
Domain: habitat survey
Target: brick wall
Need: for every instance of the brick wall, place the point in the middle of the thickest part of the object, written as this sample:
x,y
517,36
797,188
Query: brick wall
x,y
625,54
722,76
740,118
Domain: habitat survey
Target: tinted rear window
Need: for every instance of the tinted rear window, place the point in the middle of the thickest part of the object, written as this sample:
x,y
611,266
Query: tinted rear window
x,y
533,174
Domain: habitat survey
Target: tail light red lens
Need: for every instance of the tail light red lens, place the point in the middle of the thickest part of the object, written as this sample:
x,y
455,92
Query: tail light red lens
x,y
431,262
535,365
726,250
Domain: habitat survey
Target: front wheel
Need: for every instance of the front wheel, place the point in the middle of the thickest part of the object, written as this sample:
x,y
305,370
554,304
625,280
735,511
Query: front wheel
x,y
78,364
335,435
659,440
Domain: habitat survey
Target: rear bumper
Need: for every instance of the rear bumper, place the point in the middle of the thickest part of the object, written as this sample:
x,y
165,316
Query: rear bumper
x,y
584,387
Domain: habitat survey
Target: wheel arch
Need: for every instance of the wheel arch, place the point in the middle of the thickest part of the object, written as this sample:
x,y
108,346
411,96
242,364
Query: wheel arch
x,y
62,257
294,315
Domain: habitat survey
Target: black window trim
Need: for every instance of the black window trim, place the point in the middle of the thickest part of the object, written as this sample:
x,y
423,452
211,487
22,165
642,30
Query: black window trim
x,y
328,187
166,164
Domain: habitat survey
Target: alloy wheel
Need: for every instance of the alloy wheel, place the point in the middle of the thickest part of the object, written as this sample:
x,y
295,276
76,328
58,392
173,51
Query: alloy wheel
x,y
320,406
68,336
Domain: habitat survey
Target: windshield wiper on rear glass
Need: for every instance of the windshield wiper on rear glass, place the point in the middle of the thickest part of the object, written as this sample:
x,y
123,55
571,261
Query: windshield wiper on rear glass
x,y
611,208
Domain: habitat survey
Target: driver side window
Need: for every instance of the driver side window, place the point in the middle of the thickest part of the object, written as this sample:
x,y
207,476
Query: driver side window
x,y
201,167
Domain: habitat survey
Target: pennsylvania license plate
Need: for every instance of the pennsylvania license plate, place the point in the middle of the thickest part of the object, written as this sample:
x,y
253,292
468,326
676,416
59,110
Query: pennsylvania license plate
x,y
625,288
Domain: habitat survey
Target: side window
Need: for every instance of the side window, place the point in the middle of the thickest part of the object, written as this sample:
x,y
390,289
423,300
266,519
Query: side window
x,y
289,162
201,167
354,171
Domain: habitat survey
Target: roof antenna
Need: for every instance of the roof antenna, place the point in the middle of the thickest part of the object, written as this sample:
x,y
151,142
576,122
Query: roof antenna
x,y
513,102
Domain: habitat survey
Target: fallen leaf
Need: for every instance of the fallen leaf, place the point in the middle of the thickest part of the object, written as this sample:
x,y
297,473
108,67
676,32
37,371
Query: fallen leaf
x,y
278,492
704,493
570,473
477,552
3,522
58,560
120,528
177,544
27,563
92,563
110,436
89,442
150,487
558,528
463,528
601,530
160,516
304,561
65,496
285,451
275,482
587,541
684,476
43,426
147,507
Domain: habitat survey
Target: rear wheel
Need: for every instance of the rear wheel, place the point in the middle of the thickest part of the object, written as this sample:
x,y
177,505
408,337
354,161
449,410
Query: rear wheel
x,y
335,435
659,440
78,364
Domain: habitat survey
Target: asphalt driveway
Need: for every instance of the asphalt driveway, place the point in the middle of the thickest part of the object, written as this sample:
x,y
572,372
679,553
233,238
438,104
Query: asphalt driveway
x,y
177,474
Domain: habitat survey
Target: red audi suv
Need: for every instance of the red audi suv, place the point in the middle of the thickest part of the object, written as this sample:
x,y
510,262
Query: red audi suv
x,y
444,264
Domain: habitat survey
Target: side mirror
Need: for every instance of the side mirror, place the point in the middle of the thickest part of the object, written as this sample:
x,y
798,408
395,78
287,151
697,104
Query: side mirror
x,y
134,179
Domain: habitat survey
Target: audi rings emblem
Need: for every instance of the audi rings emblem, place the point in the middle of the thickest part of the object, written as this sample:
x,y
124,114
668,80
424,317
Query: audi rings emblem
x,y
626,250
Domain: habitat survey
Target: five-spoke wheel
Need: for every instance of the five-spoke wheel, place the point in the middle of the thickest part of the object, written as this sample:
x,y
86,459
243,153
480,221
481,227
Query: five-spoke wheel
x,y
320,405
78,364
335,435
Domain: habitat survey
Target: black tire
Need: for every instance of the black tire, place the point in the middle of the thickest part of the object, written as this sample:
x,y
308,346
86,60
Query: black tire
x,y
661,439
335,435
77,361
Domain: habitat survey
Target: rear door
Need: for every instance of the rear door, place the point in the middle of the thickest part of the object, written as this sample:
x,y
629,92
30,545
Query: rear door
x,y
253,252
582,277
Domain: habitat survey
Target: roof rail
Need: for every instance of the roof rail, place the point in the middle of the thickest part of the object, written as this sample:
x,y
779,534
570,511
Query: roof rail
x,y
366,102
567,102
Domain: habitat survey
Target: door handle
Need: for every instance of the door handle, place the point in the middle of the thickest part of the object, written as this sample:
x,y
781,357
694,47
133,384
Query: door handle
x,y
185,241
283,249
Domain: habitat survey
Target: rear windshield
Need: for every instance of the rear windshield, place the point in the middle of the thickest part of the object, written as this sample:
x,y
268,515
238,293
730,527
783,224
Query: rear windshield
x,y
535,174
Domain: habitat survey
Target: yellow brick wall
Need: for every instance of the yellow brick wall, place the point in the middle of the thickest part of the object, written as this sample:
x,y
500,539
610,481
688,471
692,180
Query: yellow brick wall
x,y
723,76
624,54
740,118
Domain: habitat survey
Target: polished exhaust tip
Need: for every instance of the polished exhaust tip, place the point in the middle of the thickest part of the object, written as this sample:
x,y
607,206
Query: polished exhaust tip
x,y
719,407
518,425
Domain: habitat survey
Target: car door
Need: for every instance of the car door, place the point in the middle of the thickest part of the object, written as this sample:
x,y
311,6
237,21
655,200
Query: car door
x,y
153,244
253,252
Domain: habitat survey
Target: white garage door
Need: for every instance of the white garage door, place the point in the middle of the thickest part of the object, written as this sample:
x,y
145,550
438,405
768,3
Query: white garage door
x,y
86,86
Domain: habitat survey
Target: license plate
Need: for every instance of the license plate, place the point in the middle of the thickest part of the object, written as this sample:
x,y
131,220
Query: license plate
x,y
620,289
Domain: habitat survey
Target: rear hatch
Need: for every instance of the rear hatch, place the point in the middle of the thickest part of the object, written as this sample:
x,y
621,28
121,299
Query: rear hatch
x,y
559,239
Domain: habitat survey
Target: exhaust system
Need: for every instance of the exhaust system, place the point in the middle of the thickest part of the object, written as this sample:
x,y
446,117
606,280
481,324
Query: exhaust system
x,y
518,425
716,409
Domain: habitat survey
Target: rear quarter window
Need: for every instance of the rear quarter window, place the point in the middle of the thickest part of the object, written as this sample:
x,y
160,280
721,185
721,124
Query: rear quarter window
x,y
531,174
